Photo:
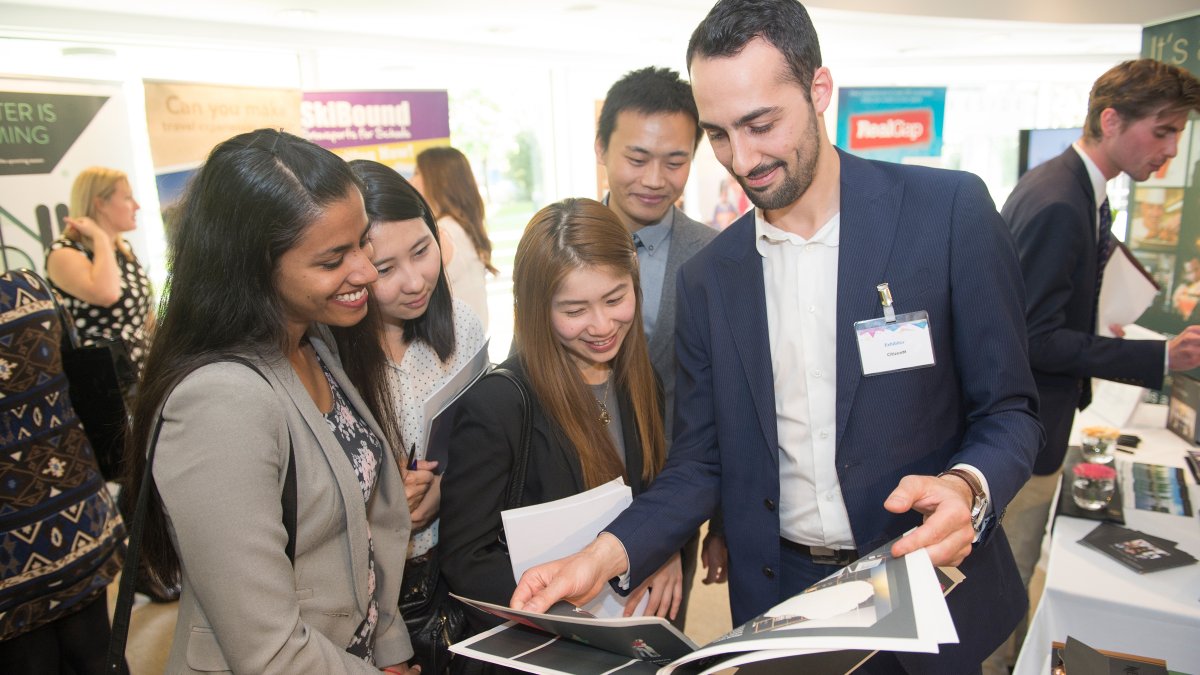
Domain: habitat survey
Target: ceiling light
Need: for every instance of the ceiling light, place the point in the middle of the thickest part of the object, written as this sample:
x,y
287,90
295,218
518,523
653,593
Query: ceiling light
x,y
89,52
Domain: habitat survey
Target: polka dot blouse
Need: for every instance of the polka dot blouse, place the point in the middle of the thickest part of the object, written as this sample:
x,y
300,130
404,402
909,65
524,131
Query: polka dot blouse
x,y
125,319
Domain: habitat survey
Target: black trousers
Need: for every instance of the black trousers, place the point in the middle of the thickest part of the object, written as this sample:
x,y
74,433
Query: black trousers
x,y
75,644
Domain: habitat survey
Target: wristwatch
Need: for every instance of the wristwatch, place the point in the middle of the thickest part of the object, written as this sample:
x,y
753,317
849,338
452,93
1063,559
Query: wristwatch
x,y
979,499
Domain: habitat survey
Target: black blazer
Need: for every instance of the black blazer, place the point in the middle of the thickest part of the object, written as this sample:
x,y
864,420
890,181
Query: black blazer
x,y
483,444
1052,215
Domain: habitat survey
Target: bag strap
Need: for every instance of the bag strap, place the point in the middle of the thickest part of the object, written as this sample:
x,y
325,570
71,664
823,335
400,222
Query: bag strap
x,y
289,502
115,662
288,497
516,481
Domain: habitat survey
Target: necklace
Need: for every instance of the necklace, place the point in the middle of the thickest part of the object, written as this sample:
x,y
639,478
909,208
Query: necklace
x,y
605,418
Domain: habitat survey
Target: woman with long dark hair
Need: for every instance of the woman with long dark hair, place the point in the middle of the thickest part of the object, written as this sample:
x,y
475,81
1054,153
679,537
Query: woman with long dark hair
x,y
266,359
595,403
429,338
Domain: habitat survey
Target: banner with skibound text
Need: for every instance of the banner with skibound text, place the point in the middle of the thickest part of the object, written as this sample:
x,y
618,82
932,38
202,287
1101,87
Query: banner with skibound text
x,y
390,127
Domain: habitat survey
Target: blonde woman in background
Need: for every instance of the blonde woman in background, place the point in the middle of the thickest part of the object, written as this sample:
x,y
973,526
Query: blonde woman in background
x,y
94,269
443,177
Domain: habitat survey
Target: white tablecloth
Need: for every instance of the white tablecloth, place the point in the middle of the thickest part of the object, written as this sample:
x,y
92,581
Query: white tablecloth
x,y
1093,598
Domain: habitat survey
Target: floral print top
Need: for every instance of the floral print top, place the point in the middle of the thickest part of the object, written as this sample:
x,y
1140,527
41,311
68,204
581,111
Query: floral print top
x,y
365,451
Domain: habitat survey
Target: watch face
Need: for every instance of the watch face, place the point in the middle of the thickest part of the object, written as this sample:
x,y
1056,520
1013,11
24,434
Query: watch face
x,y
978,513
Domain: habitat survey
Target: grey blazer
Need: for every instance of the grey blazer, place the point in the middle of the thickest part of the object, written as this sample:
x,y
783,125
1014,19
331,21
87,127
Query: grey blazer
x,y
687,237
220,466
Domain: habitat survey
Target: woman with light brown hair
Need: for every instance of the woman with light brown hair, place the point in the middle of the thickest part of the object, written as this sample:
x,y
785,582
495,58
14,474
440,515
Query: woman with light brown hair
x,y
443,177
594,400
94,269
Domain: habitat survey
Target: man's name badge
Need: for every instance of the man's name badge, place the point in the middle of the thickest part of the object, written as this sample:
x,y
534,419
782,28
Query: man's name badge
x,y
894,342
902,344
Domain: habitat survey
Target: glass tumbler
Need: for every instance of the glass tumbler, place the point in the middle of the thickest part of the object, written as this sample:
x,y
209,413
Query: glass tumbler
x,y
1092,485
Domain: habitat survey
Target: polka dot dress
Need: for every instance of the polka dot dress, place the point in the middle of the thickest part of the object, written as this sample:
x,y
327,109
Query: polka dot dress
x,y
126,318
418,375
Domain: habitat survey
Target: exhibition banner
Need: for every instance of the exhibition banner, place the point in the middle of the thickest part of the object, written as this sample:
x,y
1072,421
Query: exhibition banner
x,y
1163,218
1175,42
50,131
185,121
390,127
891,123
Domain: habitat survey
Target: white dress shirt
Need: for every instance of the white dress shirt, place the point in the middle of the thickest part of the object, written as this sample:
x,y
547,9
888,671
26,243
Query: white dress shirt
x,y
800,280
1099,184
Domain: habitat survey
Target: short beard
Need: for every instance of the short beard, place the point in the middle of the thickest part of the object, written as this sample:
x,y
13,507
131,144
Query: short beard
x,y
794,185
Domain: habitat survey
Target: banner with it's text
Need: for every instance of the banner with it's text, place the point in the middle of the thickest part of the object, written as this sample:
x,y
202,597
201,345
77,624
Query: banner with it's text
x,y
50,131
1163,218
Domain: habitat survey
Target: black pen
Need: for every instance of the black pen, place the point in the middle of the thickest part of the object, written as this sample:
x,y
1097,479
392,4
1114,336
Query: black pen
x,y
1124,450
412,457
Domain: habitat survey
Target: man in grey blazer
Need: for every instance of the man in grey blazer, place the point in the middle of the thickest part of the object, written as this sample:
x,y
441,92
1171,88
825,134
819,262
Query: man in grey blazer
x,y
645,140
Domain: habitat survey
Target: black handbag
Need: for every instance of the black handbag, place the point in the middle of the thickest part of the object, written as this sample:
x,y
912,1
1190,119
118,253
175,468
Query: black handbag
x,y
433,618
102,381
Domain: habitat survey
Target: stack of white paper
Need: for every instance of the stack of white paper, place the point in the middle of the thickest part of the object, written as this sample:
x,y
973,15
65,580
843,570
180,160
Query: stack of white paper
x,y
543,532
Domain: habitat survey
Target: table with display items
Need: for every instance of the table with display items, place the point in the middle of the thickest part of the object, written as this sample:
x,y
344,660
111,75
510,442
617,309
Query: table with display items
x,y
1094,598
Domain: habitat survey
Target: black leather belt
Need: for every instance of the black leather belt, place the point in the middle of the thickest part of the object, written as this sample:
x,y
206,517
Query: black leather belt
x,y
821,554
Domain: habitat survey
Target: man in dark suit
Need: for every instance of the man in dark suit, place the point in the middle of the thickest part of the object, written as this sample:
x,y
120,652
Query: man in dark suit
x,y
1060,217
814,462
645,140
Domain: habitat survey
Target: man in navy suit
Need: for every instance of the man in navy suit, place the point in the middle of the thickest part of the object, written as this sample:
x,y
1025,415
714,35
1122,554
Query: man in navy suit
x,y
1060,217
813,461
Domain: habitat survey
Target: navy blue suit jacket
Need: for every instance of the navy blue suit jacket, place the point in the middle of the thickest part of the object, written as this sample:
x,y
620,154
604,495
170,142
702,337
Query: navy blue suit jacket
x,y
936,238
1052,214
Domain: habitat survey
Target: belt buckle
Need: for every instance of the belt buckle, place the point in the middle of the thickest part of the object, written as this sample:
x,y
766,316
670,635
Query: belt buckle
x,y
825,556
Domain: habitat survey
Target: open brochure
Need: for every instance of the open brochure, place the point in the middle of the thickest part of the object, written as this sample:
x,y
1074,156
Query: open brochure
x,y
440,406
543,532
877,602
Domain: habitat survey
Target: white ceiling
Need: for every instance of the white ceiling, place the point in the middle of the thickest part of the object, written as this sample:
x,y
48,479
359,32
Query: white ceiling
x,y
575,28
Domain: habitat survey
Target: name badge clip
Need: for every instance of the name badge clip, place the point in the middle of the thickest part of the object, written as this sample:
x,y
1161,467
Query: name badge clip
x,y
885,299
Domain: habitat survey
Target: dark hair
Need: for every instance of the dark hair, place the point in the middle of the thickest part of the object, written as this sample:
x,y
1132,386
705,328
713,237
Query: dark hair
x,y
785,24
1139,88
388,196
452,191
250,203
648,91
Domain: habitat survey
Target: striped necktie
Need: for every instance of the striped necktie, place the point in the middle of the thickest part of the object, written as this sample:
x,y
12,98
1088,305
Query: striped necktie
x,y
1104,242
1104,248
